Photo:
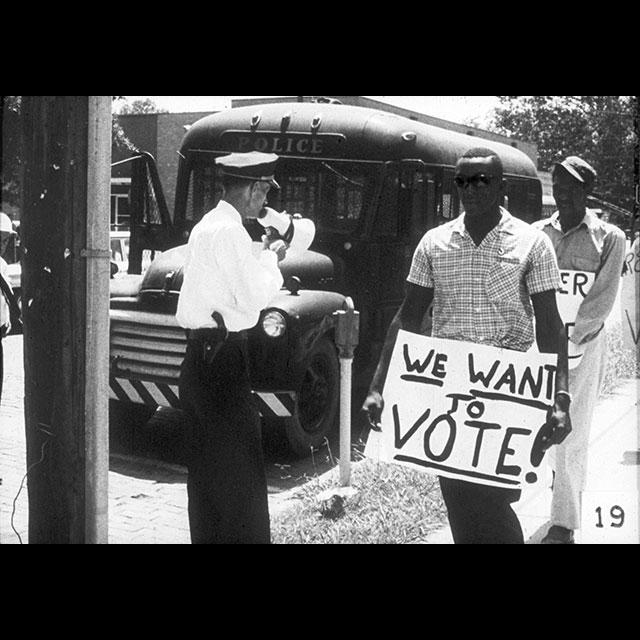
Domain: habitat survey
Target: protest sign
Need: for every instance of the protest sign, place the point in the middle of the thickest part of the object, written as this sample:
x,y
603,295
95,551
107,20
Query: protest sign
x,y
462,410
630,297
575,286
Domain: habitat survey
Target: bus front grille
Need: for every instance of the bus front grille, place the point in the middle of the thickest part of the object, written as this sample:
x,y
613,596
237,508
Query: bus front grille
x,y
146,346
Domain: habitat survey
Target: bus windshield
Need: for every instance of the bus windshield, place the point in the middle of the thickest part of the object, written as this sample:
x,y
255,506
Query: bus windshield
x,y
334,194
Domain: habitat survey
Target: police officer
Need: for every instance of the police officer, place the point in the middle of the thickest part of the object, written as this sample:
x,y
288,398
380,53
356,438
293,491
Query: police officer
x,y
225,288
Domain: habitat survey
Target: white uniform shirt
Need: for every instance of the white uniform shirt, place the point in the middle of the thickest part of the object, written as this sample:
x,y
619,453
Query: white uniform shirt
x,y
222,274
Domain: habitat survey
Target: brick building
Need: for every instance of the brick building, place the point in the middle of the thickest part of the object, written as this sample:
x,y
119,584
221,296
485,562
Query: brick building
x,y
161,135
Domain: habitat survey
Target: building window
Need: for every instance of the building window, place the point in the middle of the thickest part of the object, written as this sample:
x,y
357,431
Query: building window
x,y
120,214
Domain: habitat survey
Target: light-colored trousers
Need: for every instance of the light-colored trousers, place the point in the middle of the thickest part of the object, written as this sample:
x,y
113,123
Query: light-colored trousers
x,y
569,459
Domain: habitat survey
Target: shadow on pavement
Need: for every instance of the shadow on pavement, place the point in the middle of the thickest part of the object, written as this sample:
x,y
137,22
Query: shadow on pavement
x,y
154,450
146,469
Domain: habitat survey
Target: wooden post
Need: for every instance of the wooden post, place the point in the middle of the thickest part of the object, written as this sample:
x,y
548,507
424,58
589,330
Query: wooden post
x,y
64,232
97,337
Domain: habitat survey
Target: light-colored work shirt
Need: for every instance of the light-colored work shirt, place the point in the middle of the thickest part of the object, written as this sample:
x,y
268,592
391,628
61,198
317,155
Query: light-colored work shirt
x,y
596,247
482,294
221,273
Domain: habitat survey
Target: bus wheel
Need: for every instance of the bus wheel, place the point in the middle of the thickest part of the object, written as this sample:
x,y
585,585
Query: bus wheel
x,y
318,401
124,419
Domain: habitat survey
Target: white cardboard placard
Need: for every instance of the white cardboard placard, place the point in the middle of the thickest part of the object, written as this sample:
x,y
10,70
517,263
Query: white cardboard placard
x,y
463,410
575,286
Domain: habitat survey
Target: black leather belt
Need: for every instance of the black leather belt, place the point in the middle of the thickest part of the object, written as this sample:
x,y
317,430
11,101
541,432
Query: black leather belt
x,y
209,342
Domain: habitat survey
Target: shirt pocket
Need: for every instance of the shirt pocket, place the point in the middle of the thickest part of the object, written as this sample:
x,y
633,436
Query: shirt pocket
x,y
502,284
581,263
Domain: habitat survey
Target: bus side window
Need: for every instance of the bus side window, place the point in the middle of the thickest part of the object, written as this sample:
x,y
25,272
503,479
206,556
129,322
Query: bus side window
x,y
386,222
430,201
413,205
523,199
449,205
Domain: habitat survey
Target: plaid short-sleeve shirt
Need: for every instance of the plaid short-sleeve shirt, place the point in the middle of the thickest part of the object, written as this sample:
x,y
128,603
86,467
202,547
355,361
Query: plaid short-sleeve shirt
x,y
482,294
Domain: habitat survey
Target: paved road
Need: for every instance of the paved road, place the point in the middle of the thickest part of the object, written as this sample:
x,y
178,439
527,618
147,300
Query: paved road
x,y
147,496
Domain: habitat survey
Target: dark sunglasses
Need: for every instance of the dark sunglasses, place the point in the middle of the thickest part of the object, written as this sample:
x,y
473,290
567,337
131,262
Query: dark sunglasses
x,y
476,180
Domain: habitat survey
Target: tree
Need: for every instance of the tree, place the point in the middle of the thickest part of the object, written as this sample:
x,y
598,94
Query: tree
x,y
140,106
599,129
12,144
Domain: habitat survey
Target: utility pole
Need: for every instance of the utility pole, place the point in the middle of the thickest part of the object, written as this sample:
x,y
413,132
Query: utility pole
x,y
65,282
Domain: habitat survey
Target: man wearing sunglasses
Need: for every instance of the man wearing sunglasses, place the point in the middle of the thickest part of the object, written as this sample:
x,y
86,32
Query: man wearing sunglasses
x,y
585,243
488,274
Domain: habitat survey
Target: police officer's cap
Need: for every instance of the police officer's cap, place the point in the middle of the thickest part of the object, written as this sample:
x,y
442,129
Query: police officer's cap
x,y
253,165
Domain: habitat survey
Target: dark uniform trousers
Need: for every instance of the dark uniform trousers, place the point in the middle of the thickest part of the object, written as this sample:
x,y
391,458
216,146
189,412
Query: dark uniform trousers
x,y
226,486
480,514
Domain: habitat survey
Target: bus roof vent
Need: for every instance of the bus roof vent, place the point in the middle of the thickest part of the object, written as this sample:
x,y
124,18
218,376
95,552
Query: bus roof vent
x,y
286,120
325,100
255,120
409,136
315,123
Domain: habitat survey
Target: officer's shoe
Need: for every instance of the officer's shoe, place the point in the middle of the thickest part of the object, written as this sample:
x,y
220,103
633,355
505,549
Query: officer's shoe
x,y
558,535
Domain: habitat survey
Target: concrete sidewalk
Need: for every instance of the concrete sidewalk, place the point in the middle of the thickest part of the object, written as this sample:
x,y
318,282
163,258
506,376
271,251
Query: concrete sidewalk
x,y
147,498
613,479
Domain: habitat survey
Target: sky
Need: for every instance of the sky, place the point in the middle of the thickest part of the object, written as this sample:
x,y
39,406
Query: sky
x,y
453,108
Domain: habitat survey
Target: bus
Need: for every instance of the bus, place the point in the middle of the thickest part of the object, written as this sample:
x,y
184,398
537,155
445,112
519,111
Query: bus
x,y
372,182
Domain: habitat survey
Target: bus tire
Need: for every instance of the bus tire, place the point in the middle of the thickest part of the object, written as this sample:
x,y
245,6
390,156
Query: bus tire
x,y
318,401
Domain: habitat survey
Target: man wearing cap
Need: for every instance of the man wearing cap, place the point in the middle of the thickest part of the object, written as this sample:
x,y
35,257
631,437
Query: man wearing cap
x,y
224,290
584,243
6,293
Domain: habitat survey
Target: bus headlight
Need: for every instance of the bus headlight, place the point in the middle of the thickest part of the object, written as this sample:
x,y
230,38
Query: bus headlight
x,y
274,324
